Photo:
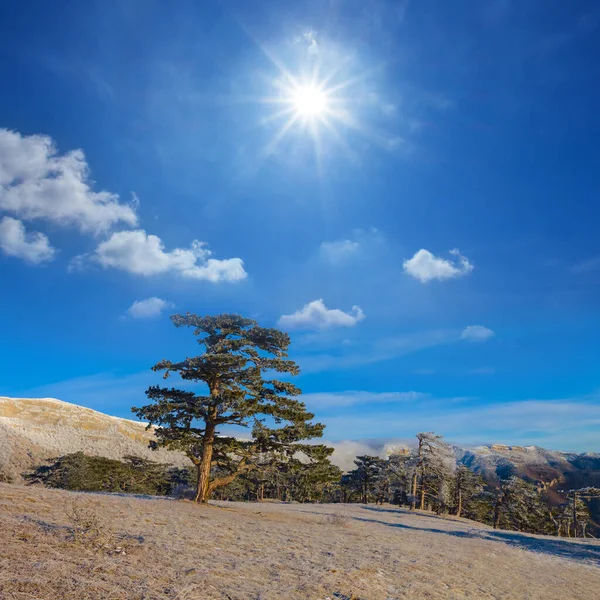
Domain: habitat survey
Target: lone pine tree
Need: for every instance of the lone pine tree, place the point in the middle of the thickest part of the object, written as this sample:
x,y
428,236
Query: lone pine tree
x,y
238,354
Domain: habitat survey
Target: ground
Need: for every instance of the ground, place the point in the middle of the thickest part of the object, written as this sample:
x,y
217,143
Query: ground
x,y
69,546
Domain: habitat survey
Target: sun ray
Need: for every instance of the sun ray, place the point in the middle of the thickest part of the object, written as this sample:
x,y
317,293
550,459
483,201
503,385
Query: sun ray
x,y
339,140
280,135
320,100
275,116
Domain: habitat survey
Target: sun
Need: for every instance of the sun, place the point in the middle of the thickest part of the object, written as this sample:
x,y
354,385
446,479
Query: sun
x,y
323,101
309,101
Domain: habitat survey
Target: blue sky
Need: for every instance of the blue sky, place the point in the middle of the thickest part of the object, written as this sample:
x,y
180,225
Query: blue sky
x,y
428,233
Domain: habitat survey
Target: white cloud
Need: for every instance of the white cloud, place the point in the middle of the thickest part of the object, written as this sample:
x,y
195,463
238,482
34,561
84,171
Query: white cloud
x,y
425,267
142,254
148,308
33,247
38,183
315,315
477,333
337,252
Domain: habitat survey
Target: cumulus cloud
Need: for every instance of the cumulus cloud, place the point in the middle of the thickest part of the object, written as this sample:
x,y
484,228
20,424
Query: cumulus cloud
x,y
36,182
15,241
148,308
477,333
425,267
315,315
143,254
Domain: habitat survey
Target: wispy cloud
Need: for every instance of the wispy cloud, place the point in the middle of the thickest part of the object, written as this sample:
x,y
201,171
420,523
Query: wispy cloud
x,y
482,371
309,38
336,252
389,348
315,315
426,267
476,333
385,107
32,247
437,100
339,251
568,424
328,400
587,266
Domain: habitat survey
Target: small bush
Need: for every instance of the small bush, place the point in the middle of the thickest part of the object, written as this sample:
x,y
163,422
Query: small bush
x,y
183,492
6,477
91,532
337,520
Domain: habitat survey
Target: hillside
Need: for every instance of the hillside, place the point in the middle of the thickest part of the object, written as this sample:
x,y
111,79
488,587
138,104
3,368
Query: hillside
x,y
34,429
163,549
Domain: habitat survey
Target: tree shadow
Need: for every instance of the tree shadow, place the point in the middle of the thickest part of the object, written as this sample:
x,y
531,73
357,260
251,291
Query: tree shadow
x,y
407,511
560,547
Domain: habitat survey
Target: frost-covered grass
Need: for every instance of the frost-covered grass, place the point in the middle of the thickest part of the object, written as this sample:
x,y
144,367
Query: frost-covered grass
x,y
62,545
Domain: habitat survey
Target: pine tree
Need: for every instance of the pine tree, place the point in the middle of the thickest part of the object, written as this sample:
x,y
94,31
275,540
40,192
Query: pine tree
x,y
519,506
237,355
576,514
393,481
364,480
432,465
464,487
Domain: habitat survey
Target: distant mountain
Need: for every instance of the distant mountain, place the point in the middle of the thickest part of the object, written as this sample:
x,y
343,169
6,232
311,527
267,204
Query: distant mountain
x,y
35,429
550,470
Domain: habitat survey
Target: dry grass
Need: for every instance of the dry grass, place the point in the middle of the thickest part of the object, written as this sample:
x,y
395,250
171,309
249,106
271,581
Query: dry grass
x,y
60,545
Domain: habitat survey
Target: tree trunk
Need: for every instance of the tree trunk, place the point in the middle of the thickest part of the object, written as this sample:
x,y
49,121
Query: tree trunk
x,y
418,466
202,490
422,502
497,513
459,508
574,514
413,493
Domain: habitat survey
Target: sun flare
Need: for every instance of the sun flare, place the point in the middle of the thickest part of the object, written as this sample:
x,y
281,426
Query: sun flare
x,y
320,101
309,101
